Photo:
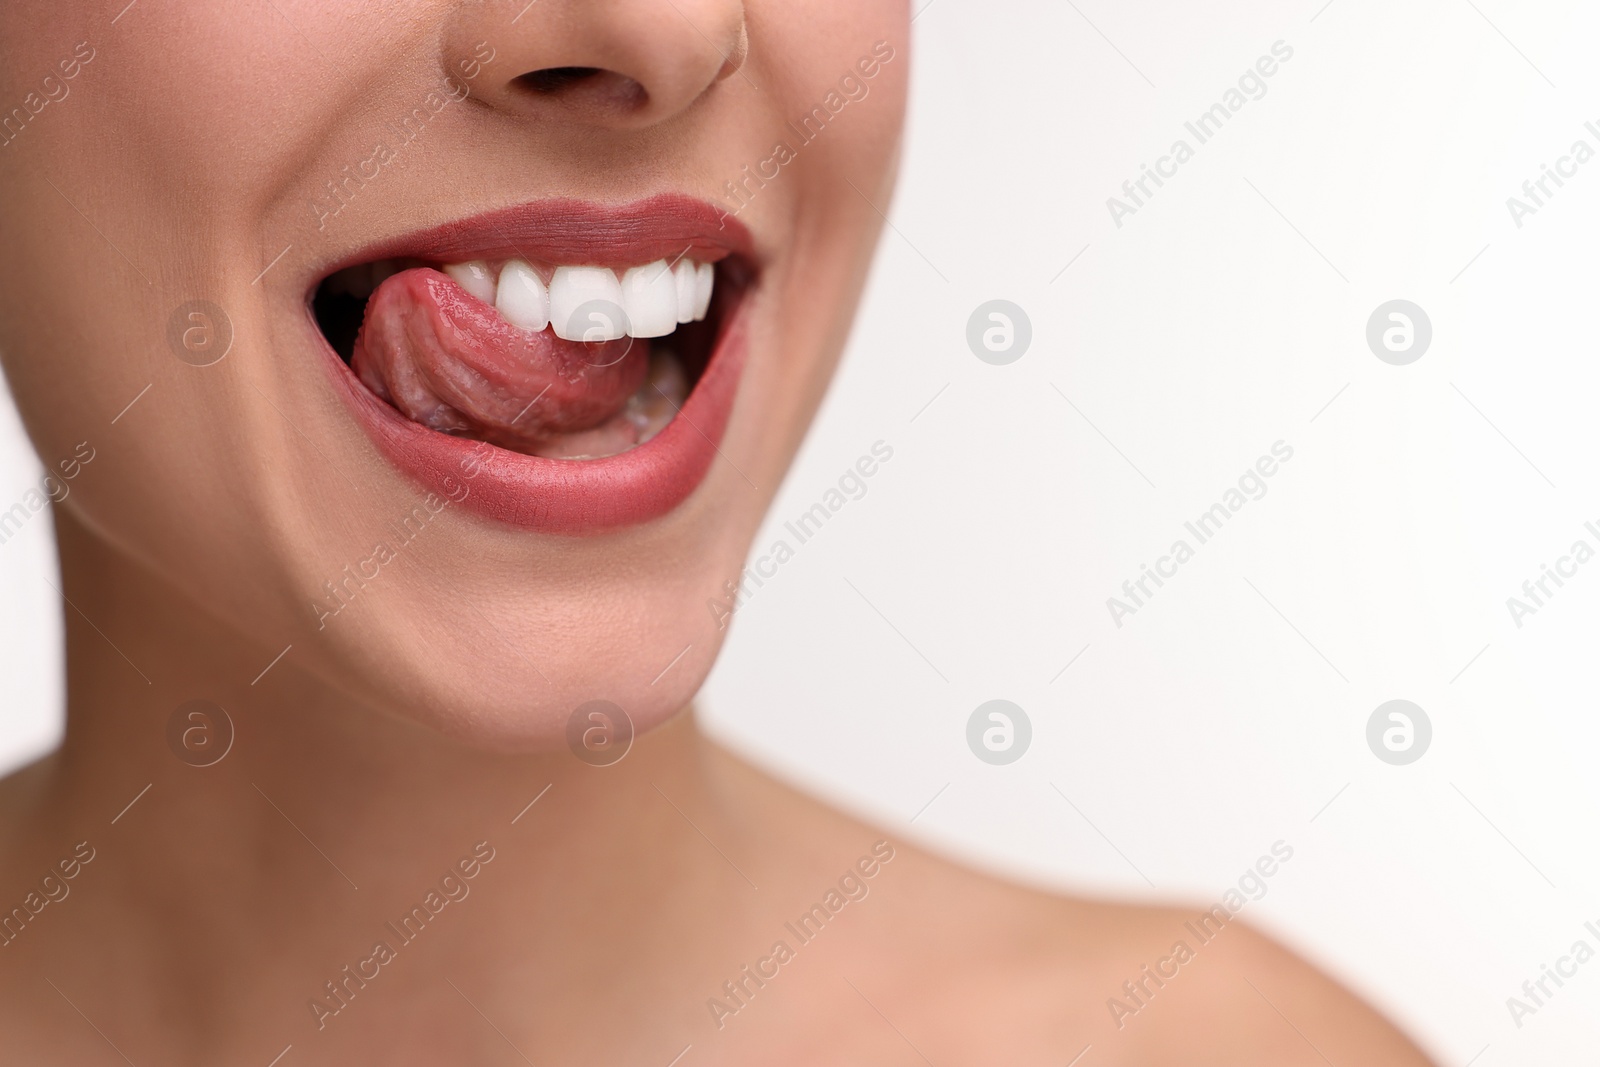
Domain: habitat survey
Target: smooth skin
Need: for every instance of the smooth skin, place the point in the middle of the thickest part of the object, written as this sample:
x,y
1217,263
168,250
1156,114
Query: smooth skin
x,y
184,160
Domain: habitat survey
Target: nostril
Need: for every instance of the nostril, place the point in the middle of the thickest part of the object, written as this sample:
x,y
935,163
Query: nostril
x,y
555,79
588,89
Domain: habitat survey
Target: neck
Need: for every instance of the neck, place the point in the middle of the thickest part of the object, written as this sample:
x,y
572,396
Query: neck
x,y
328,822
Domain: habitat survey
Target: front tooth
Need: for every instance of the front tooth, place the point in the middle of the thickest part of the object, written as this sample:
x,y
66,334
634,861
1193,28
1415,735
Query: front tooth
x,y
683,277
521,297
650,297
703,278
586,304
475,277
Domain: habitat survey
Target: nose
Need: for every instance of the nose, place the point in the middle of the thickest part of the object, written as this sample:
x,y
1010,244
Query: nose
x,y
621,64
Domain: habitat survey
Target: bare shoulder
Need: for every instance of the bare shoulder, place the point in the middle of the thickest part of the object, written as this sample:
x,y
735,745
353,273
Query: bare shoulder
x,y
1129,984
1235,995
987,971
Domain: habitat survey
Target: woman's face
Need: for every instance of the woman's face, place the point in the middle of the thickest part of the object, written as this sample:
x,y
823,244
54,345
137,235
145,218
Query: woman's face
x,y
377,469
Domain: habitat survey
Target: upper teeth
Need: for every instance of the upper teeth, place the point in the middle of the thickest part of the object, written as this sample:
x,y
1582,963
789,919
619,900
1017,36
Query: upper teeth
x,y
592,303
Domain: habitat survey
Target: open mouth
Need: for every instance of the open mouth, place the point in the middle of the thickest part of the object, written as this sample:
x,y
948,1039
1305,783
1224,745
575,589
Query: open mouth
x,y
583,358
564,362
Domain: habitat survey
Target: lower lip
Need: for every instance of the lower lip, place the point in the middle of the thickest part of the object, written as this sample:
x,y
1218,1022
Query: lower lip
x,y
564,496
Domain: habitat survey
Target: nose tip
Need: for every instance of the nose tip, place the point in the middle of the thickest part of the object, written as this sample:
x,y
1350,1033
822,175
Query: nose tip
x,y
609,63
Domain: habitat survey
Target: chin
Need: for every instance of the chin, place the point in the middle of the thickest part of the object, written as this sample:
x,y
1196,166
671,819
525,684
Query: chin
x,y
552,394
470,687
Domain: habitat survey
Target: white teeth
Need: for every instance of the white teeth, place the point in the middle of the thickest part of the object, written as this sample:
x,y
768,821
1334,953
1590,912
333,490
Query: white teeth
x,y
703,276
586,304
650,298
521,297
683,277
580,303
474,277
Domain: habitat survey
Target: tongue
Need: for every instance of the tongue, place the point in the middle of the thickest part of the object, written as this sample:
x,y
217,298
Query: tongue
x,y
448,361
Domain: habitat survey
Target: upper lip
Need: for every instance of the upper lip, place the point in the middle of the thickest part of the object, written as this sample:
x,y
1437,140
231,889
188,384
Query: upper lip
x,y
574,232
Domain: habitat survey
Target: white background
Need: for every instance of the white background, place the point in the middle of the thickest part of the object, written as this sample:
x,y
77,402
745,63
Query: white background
x,y
1223,316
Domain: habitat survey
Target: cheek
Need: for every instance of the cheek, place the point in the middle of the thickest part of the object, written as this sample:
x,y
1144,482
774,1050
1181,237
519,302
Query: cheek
x,y
198,153
832,227
223,102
